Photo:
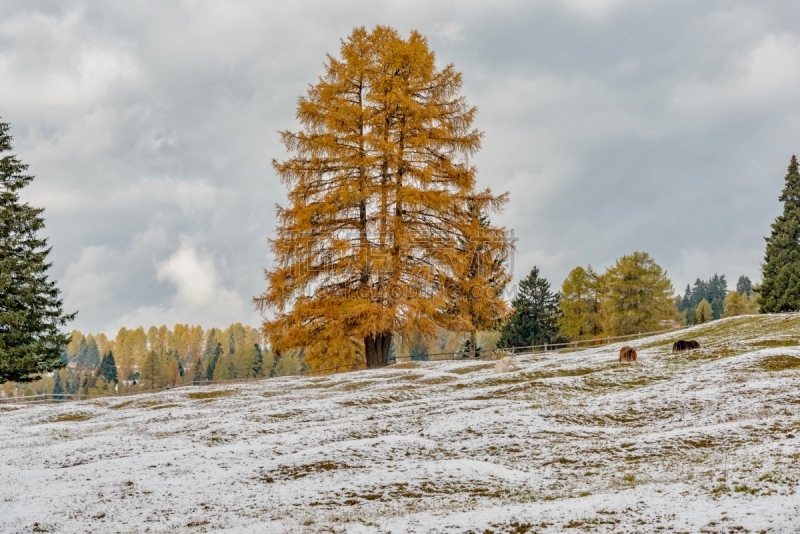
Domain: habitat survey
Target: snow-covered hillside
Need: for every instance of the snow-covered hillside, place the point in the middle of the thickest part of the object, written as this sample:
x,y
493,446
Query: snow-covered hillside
x,y
707,441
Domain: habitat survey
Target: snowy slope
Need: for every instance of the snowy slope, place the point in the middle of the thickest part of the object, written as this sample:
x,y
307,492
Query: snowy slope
x,y
704,442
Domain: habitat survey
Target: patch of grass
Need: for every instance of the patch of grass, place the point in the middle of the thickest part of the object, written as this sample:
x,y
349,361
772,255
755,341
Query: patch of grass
x,y
775,343
700,443
353,403
432,381
280,416
514,527
353,386
780,363
705,354
162,406
201,395
471,369
148,404
121,405
217,438
301,471
408,376
559,373
600,386
317,384
504,379
744,488
78,416
404,365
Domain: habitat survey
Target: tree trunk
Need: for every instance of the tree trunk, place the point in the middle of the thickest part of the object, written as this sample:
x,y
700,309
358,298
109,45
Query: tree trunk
x,y
472,341
376,349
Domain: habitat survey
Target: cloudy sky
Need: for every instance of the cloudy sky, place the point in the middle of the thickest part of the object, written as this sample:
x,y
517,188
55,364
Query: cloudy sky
x,y
616,125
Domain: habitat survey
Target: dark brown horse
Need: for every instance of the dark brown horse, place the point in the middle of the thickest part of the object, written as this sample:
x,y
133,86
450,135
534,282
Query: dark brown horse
x,y
627,354
682,345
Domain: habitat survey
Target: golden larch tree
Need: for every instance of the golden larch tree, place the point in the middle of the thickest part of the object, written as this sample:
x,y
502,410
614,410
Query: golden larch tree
x,y
580,298
479,276
379,189
639,296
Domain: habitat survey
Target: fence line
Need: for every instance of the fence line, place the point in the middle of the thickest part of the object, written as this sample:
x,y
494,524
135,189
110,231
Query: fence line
x,y
600,341
570,346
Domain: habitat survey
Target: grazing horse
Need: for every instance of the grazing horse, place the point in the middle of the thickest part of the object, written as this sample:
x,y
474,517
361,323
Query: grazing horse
x,y
682,345
505,365
627,354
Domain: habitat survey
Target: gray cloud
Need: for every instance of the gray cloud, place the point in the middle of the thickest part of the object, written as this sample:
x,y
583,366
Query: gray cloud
x,y
616,125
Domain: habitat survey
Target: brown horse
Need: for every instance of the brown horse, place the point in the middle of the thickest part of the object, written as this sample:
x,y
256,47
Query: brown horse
x,y
627,354
682,345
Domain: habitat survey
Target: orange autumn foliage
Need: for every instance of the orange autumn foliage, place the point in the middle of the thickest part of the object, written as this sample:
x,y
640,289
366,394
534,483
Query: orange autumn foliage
x,y
381,202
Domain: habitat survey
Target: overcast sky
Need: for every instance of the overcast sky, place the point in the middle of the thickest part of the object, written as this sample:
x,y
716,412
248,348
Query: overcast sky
x,y
616,125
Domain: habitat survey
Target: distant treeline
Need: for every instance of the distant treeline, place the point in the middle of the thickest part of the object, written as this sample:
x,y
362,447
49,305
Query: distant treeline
x,y
713,295
156,358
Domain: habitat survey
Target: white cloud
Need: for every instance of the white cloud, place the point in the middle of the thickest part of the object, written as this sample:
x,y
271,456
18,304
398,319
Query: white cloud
x,y
60,70
594,9
190,195
200,295
89,281
763,78
449,32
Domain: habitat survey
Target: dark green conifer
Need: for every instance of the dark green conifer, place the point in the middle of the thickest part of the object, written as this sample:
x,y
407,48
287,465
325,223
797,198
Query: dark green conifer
x,y
534,320
258,361
91,354
744,286
58,388
108,367
780,289
215,353
31,310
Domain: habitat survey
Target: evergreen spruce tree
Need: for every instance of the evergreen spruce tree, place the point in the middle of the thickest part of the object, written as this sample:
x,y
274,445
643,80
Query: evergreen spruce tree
x,y
780,289
108,367
744,286
684,305
80,351
31,310
199,370
213,358
258,361
91,356
276,363
72,384
466,350
534,319
419,348
717,291
58,389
